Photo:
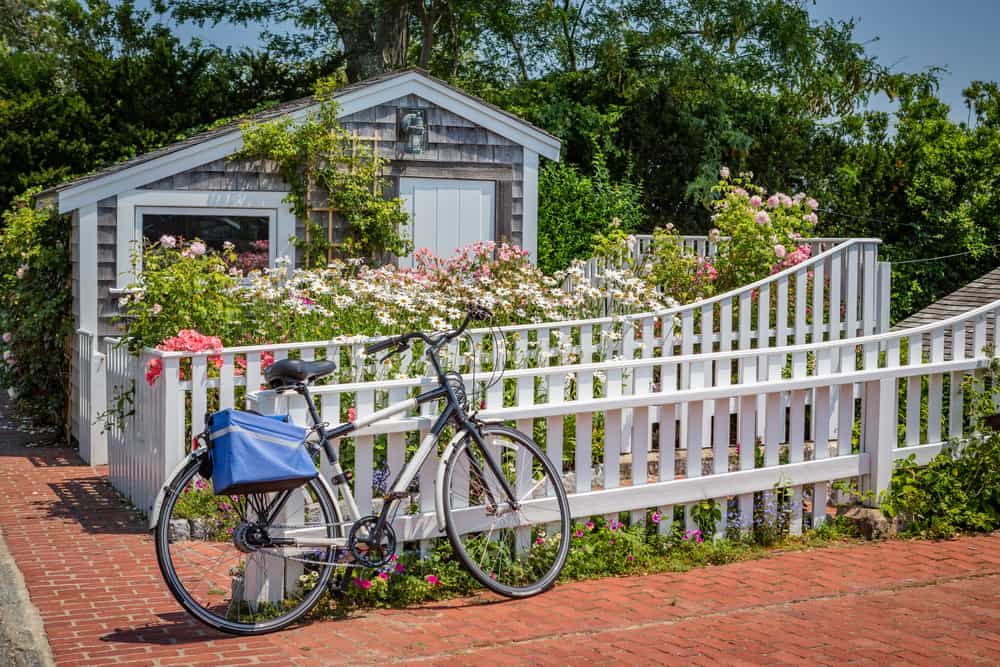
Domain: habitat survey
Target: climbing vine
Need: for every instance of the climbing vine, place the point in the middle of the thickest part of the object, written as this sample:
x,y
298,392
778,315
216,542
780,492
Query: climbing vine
x,y
318,156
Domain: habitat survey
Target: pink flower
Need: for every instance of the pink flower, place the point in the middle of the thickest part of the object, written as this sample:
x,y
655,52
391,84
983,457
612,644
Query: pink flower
x,y
153,370
812,203
432,580
157,309
539,540
168,241
363,583
578,533
383,576
810,218
762,218
266,359
197,249
398,568
655,518
724,172
589,525
630,558
772,201
779,251
755,201
7,337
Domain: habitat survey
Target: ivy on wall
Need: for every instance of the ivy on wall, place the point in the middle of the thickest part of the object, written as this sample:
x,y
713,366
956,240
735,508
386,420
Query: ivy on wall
x,y
318,154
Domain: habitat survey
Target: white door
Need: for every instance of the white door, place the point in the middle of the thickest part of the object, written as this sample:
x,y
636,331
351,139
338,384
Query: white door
x,y
447,214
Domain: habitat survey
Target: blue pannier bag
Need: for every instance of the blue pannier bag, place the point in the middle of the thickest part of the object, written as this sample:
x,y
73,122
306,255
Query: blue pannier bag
x,y
254,453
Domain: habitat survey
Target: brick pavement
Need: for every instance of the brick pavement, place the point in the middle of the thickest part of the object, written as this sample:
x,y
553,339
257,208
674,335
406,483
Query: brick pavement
x,y
91,571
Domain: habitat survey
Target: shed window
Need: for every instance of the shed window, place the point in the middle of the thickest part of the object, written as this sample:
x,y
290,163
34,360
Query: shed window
x,y
247,232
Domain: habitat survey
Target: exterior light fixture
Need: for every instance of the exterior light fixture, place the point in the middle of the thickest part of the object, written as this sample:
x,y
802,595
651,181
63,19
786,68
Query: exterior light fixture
x,y
413,127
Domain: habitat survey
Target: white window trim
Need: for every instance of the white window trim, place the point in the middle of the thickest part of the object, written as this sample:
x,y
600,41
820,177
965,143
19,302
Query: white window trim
x,y
132,204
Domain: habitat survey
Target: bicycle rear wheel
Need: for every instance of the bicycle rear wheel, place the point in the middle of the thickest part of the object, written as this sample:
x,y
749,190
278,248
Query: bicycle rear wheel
x,y
514,549
215,556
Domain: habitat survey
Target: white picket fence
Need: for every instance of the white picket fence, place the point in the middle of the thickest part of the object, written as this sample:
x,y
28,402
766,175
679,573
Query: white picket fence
x,y
748,422
152,431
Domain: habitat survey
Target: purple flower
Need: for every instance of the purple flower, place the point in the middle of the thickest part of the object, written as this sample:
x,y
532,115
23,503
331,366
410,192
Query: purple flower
x,y
201,484
398,567
655,518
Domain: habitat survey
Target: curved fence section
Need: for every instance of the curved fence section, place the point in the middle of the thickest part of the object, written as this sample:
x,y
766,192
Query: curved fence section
x,y
838,294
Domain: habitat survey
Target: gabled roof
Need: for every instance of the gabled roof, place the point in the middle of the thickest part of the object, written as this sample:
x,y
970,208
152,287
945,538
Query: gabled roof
x,y
981,291
226,139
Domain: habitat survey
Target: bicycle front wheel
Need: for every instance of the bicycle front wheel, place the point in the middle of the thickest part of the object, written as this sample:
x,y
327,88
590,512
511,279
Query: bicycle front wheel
x,y
220,556
515,548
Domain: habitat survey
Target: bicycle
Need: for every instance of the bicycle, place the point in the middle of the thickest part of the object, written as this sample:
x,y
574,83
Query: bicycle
x,y
256,563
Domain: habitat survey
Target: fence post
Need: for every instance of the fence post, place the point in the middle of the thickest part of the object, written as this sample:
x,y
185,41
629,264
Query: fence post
x,y
878,439
884,293
170,446
98,370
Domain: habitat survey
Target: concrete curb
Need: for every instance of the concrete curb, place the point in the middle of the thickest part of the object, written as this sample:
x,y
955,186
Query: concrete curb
x,y
23,642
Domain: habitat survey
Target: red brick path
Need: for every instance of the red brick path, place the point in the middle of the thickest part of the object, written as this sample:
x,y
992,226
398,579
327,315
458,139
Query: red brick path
x,y
92,573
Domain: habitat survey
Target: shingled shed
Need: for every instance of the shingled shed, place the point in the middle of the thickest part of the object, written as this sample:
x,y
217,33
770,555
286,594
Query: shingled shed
x,y
982,291
466,171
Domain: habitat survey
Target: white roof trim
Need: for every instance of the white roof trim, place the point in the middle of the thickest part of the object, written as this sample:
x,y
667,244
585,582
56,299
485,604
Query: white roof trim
x,y
350,101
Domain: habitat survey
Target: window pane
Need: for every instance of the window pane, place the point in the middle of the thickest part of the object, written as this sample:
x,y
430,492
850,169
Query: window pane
x,y
247,232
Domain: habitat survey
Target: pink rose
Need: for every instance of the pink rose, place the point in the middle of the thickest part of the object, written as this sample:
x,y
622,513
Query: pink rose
x,y
772,201
762,218
168,241
197,249
812,203
7,337
779,251
755,201
432,580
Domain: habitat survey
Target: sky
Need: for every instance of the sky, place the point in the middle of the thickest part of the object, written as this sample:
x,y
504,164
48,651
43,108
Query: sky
x,y
907,35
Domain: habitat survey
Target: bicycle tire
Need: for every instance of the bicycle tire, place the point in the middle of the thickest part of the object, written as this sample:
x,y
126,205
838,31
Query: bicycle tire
x,y
549,529
331,516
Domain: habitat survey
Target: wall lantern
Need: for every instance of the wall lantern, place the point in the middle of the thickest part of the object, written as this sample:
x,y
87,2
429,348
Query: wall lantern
x,y
413,128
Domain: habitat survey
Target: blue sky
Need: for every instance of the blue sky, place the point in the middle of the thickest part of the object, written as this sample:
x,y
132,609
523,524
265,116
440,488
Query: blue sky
x,y
909,35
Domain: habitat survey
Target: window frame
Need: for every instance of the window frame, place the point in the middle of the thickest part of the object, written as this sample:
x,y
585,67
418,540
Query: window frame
x,y
132,205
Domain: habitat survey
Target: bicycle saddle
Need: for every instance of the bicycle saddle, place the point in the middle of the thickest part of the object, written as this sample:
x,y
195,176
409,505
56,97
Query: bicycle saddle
x,y
293,371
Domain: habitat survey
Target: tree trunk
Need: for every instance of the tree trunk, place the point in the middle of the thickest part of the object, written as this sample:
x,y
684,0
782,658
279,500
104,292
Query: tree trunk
x,y
375,35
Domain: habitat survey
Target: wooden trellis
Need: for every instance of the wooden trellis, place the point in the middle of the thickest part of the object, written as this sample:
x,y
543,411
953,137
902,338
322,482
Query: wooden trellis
x,y
332,211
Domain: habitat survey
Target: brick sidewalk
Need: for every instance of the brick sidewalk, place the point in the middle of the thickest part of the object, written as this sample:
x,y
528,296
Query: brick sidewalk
x,y
91,571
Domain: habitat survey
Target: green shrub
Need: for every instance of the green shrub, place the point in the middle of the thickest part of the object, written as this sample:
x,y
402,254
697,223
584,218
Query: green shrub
x,y
36,317
573,207
959,490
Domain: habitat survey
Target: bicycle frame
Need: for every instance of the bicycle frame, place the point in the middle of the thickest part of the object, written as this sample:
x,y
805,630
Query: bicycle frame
x,y
452,411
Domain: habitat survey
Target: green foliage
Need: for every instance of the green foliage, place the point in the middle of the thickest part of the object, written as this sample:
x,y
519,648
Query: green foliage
x,y
36,318
318,153
959,490
677,272
573,207
90,84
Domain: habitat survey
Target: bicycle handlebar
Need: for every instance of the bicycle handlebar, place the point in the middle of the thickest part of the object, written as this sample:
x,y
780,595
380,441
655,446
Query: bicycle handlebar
x,y
473,312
